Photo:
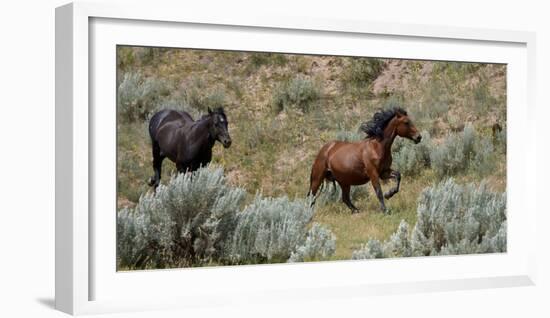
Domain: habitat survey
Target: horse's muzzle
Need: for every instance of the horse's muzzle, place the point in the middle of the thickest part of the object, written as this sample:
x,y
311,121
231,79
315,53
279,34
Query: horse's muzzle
x,y
226,142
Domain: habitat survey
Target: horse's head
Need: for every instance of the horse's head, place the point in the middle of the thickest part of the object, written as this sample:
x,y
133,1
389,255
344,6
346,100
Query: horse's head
x,y
218,127
405,128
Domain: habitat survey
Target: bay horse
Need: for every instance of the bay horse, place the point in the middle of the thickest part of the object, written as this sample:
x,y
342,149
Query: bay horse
x,y
188,143
356,163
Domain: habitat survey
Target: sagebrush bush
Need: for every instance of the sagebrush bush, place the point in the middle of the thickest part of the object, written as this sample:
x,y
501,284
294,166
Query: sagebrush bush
x,y
451,219
196,220
448,158
262,132
469,140
273,229
435,102
483,100
297,93
186,223
200,95
483,158
177,102
131,57
462,151
137,97
411,159
456,71
361,71
256,60
320,244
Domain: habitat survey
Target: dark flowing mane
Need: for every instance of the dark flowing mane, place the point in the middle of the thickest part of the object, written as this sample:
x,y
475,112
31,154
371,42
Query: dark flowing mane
x,y
374,128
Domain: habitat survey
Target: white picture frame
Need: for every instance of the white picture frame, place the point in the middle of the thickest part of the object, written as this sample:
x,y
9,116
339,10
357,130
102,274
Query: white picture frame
x,y
86,32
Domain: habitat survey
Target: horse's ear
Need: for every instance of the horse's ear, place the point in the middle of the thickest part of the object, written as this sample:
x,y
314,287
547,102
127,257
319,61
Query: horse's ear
x,y
209,111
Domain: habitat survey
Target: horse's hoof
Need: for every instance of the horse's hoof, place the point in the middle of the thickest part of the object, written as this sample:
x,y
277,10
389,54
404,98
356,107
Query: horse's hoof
x,y
153,183
355,211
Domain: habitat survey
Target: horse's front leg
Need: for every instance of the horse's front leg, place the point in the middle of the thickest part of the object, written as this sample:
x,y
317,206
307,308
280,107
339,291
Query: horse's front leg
x,y
392,174
375,180
183,167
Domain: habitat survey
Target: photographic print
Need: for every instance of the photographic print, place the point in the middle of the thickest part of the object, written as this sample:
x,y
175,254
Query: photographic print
x,y
234,158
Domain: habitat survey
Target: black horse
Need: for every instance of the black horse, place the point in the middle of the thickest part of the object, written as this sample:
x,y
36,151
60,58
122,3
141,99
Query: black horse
x,y
188,143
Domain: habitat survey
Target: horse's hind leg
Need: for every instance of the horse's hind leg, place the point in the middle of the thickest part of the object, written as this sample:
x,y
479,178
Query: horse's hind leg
x,y
347,199
157,165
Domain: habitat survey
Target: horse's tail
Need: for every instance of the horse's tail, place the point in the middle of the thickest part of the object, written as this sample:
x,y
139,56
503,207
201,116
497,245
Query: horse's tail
x,y
309,192
155,122
319,169
153,125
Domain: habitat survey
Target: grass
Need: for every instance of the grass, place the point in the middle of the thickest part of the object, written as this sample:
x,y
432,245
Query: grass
x,y
272,151
354,230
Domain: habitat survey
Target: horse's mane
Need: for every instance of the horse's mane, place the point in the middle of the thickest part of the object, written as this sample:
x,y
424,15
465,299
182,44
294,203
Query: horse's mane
x,y
218,110
374,128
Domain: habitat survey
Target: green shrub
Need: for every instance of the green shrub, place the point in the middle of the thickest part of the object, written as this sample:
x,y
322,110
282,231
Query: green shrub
x,y
137,96
456,71
436,102
261,133
256,60
469,141
448,158
200,95
451,219
320,244
131,57
483,100
463,151
409,158
177,102
298,93
361,71
398,245
274,229
195,220
461,218
186,223
483,160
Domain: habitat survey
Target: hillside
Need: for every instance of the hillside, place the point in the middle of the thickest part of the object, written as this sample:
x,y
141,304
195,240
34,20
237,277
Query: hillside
x,y
282,108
